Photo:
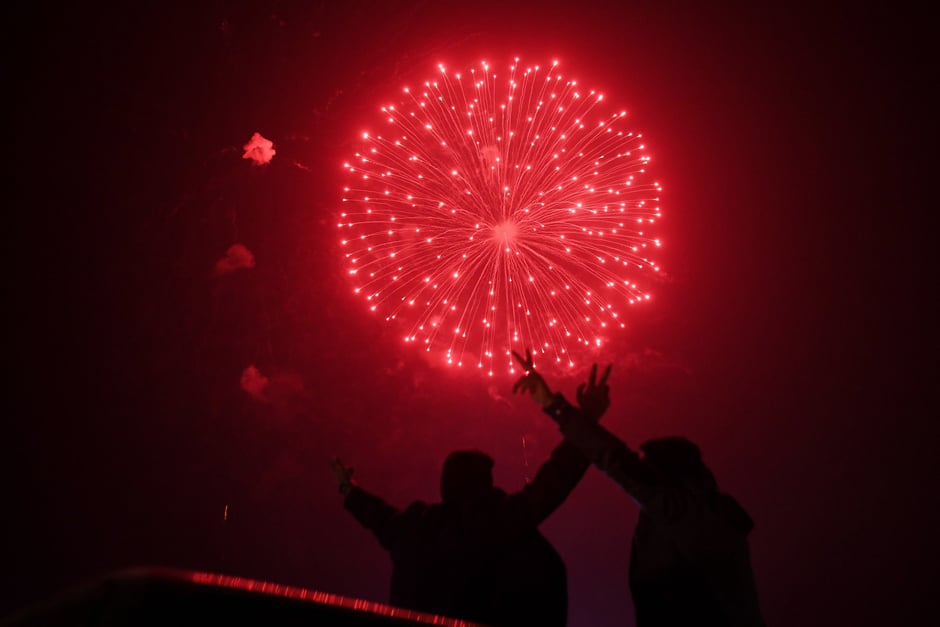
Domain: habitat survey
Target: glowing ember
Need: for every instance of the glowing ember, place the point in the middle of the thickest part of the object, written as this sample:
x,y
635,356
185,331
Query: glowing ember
x,y
494,211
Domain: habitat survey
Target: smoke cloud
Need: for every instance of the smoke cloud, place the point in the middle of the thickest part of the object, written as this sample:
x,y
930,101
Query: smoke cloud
x,y
255,383
494,394
259,150
236,257
282,390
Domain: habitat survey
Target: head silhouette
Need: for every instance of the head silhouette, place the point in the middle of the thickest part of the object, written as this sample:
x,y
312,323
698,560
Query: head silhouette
x,y
467,476
679,459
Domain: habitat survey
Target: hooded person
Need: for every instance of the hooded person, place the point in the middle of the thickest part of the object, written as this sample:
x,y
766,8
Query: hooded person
x,y
690,562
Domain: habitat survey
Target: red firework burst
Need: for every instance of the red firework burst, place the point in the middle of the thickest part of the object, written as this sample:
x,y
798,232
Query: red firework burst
x,y
494,212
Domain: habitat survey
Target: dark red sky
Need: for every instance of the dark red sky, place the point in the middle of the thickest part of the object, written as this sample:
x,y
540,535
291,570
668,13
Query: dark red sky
x,y
793,341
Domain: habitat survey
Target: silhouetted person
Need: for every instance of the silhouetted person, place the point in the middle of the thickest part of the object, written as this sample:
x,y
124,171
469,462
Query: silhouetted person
x,y
478,555
690,563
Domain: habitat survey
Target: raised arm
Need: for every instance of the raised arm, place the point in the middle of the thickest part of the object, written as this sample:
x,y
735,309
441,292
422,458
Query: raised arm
x,y
369,510
612,456
602,448
551,486
564,469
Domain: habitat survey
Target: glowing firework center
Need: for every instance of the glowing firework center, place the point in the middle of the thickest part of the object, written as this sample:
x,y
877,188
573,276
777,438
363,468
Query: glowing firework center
x,y
500,211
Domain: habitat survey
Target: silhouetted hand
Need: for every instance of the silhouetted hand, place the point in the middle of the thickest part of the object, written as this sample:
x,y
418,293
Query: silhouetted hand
x,y
342,474
594,396
532,381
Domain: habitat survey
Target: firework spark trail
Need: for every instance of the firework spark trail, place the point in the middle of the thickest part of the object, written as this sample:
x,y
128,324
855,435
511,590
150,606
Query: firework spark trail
x,y
498,213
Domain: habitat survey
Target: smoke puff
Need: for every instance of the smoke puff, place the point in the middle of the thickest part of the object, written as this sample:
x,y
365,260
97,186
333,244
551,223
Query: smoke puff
x,y
283,391
236,257
254,383
259,150
494,394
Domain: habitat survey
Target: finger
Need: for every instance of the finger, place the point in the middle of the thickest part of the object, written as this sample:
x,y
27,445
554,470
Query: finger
x,y
519,359
606,374
528,358
581,391
592,378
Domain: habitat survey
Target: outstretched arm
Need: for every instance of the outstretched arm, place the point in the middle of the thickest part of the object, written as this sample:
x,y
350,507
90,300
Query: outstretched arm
x,y
605,450
371,511
613,457
560,474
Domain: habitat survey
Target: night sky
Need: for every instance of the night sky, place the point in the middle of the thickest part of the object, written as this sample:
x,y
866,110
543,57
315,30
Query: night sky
x,y
792,336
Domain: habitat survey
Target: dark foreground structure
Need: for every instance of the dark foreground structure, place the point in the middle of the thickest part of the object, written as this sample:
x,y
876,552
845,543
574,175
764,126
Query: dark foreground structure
x,y
151,597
